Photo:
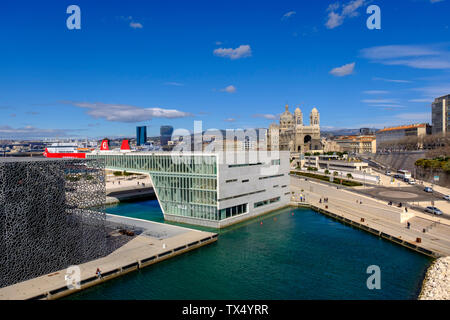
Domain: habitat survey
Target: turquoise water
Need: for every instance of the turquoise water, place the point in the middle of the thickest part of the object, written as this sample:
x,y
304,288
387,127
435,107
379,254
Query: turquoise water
x,y
293,254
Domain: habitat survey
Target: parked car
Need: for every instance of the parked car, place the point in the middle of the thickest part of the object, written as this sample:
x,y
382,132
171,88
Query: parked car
x,y
433,210
447,197
412,181
406,180
388,173
428,189
396,176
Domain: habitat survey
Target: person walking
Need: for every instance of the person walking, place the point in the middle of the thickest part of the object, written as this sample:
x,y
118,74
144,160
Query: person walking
x,y
98,273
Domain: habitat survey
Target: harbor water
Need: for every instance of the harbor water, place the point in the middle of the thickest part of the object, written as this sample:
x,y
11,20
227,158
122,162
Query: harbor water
x,y
288,254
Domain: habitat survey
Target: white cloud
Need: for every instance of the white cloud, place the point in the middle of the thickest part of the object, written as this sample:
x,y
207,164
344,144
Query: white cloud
x,y
423,63
240,52
435,91
32,132
376,92
229,89
288,15
177,84
392,80
345,70
397,51
126,113
334,20
265,116
415,117
133,24
414,56
379,101
136,25
387,106
429,100
348,10
230,120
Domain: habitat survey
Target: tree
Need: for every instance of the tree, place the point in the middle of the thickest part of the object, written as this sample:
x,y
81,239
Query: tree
x,y
349,175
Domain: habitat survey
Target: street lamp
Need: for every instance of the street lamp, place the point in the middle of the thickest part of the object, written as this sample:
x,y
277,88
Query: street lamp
x,y
364,173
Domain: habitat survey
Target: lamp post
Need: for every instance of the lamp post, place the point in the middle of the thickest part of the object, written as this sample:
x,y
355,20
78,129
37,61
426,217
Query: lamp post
x,y
364,173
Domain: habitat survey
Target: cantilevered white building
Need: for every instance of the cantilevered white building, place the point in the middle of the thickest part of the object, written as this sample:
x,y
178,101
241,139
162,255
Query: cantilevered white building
x,y
211,189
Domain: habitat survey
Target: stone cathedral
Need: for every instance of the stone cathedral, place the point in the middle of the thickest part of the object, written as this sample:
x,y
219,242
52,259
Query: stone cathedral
x,y
293,135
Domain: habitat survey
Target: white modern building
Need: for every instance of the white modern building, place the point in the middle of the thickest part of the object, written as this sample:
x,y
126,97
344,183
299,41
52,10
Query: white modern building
x,y
333,163
211,189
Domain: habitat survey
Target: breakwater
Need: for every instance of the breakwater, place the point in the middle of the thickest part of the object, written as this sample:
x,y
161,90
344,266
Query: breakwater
x,y
436,285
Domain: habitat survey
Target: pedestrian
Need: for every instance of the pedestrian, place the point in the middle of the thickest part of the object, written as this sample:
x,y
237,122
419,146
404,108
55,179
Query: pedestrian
x,y
408,225
406,209
98,273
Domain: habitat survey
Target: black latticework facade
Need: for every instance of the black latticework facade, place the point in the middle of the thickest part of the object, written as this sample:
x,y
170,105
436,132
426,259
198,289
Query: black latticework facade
x,y
50,215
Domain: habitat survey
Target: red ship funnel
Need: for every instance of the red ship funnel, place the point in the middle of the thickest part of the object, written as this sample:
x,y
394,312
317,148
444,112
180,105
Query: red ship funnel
x,y
125,145
104,145
45,154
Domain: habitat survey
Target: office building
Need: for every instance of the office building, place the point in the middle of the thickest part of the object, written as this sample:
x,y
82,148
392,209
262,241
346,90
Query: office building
x,y
141,135
357,144
333,163
440,115
398,135
166,134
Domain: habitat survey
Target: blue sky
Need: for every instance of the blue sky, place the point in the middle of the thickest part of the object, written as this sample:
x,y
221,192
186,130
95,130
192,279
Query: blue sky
x,y
230,64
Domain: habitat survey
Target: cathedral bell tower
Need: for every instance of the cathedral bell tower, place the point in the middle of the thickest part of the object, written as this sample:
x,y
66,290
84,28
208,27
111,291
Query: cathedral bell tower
x,y
314,118
298,117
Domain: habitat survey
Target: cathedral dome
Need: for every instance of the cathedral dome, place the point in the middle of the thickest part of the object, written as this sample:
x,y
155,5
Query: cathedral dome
x,y
298,111
286,115
314,110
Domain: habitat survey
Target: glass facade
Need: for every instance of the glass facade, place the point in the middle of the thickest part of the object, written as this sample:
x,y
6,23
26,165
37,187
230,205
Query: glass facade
x,y
266,202
233,211
141,135
166,134
185,185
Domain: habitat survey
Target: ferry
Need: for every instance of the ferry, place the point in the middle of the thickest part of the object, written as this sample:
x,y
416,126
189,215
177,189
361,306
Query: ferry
x,y
61,150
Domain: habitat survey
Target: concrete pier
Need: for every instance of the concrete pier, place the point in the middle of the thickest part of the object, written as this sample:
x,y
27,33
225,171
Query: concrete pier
x,y
157,242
